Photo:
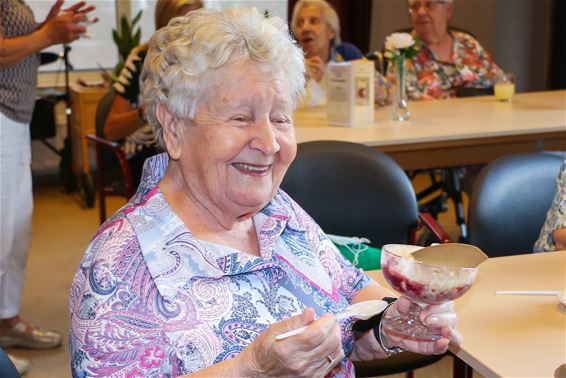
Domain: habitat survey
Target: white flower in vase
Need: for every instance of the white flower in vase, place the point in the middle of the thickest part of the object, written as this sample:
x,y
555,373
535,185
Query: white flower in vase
x,y
397,41
398,47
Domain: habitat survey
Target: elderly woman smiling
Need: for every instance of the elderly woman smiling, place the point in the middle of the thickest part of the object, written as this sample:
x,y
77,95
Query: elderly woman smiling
x,y
210,261
448,61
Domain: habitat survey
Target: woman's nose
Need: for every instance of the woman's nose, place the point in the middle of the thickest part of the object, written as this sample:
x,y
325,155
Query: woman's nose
x,y
305,26
265,139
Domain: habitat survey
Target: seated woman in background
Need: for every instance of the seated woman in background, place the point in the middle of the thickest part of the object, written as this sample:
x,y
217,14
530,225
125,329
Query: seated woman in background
x,y
316,27
126,121
447,59
210,261
553,234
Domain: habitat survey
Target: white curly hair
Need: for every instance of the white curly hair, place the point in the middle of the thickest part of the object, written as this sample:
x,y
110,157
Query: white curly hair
x,y
183,54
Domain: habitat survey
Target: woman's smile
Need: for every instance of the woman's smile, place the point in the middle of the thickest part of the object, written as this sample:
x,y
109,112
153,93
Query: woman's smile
x,y
253,169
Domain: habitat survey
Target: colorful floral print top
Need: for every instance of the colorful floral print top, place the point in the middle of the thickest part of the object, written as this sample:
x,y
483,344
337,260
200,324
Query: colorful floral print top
x,y
150,300
470,66
555,217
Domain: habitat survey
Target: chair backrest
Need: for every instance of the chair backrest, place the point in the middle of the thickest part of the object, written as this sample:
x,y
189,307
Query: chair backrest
x,y
102,111
352,190
108,158
509,202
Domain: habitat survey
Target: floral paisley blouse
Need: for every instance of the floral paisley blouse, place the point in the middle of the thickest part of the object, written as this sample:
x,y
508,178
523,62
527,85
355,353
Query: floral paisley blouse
x,y
555,217
150,300
470,66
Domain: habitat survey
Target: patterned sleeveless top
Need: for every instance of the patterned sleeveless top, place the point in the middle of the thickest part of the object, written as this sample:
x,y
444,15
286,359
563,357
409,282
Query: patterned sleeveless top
x,y
18,82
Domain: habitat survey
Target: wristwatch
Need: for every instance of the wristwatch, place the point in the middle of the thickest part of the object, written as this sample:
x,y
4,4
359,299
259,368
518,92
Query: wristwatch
x,y
362,326
377,332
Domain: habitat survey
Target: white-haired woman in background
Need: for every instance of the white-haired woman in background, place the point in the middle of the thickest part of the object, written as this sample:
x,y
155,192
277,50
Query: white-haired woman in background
x,y
210,261
316,27
449,62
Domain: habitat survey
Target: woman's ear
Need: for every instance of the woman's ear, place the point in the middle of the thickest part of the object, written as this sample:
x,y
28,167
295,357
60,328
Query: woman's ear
x,y
172,133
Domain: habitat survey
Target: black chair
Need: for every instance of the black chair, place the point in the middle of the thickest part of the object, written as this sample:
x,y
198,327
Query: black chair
x,y
353,190
510,200
113,172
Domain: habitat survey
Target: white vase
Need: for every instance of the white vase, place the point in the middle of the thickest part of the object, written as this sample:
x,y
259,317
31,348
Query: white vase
x,y
400,107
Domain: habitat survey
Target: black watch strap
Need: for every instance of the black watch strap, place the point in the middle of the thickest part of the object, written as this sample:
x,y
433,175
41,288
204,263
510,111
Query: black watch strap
x,y
362,326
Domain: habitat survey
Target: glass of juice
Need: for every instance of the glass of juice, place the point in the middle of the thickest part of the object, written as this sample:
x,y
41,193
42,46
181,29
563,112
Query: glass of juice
x,y
504,87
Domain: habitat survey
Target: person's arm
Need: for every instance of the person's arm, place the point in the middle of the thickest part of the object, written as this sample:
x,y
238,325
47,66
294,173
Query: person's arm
x,y
122,120
559,237
125,117
553,233
484,58
13,50
59,27
436,316
315,68
366,347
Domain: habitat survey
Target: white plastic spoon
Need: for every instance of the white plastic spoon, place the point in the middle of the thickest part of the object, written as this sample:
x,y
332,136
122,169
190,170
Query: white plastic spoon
x,y
361,310
528,292
561,295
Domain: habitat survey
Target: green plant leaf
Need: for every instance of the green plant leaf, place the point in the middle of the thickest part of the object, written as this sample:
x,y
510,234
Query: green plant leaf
x,y
137,18
124,25
126,38
137,37
115,37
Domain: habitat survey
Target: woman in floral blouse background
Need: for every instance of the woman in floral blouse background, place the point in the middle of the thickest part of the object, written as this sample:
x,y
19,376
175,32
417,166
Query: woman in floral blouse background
x,y
447,60
553,234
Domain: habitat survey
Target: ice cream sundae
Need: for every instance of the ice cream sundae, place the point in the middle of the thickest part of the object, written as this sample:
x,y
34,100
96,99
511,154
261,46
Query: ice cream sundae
x,y
425,283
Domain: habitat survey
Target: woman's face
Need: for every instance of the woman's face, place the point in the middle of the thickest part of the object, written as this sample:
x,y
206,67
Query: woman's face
x,y
237,149
313,33
430,18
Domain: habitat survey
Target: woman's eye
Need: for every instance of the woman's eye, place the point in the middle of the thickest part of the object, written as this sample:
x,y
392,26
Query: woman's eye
x,y
281,121
240,118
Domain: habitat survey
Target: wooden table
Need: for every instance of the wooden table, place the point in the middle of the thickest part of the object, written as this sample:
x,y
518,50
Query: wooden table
x,y
453,132
513,336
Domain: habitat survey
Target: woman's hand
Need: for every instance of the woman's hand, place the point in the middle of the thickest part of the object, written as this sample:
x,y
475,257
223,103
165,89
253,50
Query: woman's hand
x,y
313,353
440,316
315,68
382,90
82,8
65,26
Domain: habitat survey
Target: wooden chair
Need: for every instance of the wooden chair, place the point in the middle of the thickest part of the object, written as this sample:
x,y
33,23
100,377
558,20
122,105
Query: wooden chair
x,y
352,190
110,161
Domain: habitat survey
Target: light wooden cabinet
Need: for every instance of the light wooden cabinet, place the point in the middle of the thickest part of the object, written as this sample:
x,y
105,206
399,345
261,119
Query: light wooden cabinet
x,y
84,102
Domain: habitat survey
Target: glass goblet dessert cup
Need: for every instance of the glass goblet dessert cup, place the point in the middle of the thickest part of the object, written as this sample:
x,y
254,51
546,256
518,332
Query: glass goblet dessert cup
x,y
423,284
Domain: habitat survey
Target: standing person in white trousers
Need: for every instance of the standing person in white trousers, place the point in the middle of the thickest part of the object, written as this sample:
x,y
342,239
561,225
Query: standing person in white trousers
x,y
21,39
